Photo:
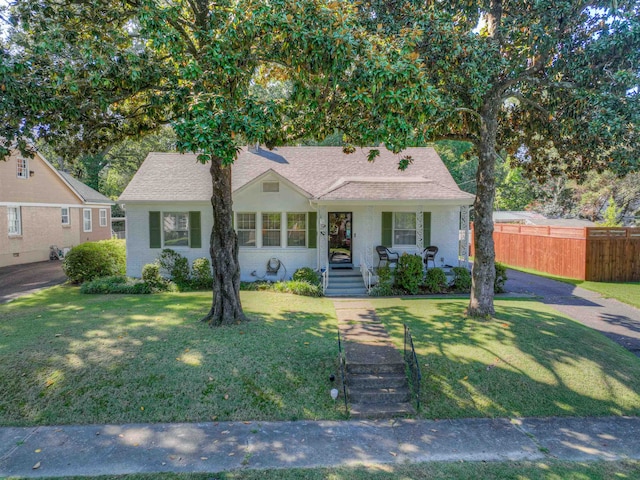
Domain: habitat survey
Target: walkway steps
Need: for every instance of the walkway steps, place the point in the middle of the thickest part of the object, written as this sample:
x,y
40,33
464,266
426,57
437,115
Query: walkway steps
x,y
375,371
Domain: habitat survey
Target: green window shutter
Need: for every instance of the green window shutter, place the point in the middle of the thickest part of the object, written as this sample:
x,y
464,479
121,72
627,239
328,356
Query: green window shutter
x,y
387,229
313,230
426,226
195,230
155,232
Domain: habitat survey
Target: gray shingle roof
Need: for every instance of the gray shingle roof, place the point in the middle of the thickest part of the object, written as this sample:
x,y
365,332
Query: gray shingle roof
x,y
87,193
325,172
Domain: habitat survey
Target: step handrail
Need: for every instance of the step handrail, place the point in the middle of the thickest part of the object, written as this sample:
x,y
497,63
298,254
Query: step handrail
x,y
365,271
413,367
342,375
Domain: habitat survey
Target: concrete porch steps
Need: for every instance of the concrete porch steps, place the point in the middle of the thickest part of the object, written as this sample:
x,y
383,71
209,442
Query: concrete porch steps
x,y
345,283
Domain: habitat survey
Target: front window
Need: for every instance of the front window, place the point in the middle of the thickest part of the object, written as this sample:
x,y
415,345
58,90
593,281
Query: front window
x,y
271,229
296,229
64,213
176,229
246,229
404,228
86,220
23,168
15,223
103,217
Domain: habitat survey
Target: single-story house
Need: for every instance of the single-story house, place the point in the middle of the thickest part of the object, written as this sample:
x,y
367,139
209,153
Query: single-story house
x,y
44,207
299,206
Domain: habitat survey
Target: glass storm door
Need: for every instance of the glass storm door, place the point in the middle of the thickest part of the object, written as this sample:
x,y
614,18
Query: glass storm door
x,y
340,241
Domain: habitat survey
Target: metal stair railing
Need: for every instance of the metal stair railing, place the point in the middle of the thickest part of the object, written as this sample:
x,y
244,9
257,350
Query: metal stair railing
x,y
413,367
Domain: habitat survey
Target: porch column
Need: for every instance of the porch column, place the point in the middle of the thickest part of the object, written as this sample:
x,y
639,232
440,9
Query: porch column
x,y
369,220
420,230
323,253
464,240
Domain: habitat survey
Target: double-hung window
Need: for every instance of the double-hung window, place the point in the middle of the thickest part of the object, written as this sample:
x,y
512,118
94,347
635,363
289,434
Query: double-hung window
x,y
64,214
22,170
14,220
296,229
271,229
246,228
404,228
87,224
176,229
103,217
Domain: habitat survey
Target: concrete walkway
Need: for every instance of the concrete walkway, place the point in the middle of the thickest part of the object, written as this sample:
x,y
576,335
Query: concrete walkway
x,y
616,320
215,447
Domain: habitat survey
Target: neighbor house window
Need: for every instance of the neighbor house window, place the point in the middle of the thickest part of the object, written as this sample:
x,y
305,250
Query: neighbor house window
x,y
246,228
404,228
64,213
86,220
103,217
271,229
296,229
23,168
176,229
15,222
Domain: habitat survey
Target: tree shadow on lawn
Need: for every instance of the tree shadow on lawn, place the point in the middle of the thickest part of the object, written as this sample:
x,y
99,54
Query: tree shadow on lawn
x,y
68,358
527,361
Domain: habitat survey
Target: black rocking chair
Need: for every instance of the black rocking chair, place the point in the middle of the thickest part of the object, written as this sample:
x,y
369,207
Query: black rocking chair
x,y
430,253
387,255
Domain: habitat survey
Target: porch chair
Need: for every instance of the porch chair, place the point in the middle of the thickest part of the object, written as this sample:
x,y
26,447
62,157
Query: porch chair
x,y
430,253
387,255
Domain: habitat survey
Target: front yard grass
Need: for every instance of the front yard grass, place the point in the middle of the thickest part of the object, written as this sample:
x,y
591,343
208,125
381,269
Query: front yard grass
x,y
546,470
527,361
68,358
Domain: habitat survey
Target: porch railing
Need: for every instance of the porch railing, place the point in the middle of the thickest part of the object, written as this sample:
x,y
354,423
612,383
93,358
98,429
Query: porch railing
x,y
325,279
367,272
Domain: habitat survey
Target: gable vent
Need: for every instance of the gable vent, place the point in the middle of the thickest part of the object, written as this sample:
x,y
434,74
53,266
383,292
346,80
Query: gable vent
x,y
271,187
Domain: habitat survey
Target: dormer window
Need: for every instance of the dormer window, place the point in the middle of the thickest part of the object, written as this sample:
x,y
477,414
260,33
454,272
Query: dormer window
x,y
23,168
270,187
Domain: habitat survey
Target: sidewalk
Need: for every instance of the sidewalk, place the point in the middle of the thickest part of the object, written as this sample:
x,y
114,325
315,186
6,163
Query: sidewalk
x,y
214,447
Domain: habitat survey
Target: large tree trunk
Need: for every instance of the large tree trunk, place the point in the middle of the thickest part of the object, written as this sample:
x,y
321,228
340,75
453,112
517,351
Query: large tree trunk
x,y
226,308
484,273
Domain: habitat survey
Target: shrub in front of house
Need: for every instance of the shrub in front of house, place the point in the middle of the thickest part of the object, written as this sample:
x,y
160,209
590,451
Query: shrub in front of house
x,y
115,284
461,280
151,276
91,260
435,281
501,278
201,276
307,274
408,274
175,267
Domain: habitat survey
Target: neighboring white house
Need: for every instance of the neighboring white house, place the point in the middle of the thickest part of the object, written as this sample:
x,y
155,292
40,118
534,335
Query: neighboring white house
x,y
305,206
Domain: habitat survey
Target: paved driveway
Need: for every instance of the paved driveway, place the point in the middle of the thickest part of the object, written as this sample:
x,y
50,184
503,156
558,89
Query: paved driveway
x,y
18,280
618,321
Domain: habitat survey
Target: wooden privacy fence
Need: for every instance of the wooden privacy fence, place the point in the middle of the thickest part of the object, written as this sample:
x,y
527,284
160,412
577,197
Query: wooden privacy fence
x,y
593,253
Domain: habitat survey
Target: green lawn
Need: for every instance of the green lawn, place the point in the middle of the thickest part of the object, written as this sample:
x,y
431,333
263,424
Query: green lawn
x,y
528,361
68,358
548,470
